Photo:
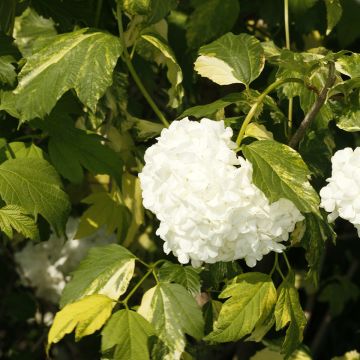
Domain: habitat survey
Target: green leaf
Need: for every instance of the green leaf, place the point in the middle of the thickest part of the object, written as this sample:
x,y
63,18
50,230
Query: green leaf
x,y
280,172
32,31
350,120
347,113
274,354
317,154
131,189
337,293
136,7
216,274
7,71
146,130
80,60
70,149
105,210
211,311
258,131
15,217
7,14
262,327
333,14
317,231
288,311
126,336
349,65
231,59
152,10
173,312
174,73
106,270
252,296
209,110
308,98
186,276
85,316
211,19
34,185
19,150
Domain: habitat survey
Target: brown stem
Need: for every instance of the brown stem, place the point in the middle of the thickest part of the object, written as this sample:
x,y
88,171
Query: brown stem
x,y
319,102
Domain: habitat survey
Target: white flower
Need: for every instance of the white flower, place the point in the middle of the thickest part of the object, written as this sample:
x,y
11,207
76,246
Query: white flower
x,y
208,207
46,265
341,197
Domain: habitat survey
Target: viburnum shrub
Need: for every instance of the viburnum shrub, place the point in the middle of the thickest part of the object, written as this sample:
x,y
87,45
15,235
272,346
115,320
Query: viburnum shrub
x,y
171,178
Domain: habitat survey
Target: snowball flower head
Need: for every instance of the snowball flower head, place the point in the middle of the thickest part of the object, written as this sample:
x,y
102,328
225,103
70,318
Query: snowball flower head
x,y
341,197
203,194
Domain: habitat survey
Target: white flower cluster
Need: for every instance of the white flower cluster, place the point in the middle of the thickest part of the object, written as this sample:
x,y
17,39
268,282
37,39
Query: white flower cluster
x,y
46,265
208,207
341,197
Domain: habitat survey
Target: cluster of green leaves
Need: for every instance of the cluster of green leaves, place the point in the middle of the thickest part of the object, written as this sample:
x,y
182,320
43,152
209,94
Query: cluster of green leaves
x,y
86,86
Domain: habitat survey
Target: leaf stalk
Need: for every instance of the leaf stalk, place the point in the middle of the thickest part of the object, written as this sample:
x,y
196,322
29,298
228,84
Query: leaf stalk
x,y
259,101
127,60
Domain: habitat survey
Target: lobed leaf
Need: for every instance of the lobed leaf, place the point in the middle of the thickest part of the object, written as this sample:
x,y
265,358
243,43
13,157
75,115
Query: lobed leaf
x,y
33,184
32,31
252,297
126,336
333,14
173,312
81,60
84,316
231,59
105,210
70,149
106,270
186,276
280,172
288,311
174,73
15,217
7,71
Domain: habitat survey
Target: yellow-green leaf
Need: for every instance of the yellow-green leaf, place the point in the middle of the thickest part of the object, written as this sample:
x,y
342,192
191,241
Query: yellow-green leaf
x,y
15,217
84,316
288,311
251,297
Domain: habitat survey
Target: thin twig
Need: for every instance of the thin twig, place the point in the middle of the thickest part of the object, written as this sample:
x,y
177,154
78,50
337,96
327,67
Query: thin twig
x,y
259,101
319,102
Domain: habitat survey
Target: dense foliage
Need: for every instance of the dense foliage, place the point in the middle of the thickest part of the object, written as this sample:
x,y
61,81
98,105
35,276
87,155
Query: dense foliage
x,y
86,87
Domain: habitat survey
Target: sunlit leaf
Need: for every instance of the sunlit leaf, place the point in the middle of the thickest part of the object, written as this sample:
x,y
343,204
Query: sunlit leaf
x,y
15,217
81,60
231,59
280,172
84,316
174,73
250,297
288,311
106,270
105,210
186,276
33,184
173,312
